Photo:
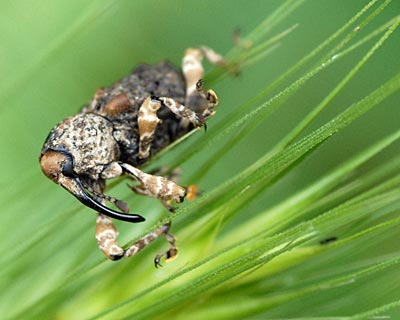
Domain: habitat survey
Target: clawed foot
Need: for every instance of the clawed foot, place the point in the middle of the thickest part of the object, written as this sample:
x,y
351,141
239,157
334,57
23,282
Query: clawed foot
x,y
169,255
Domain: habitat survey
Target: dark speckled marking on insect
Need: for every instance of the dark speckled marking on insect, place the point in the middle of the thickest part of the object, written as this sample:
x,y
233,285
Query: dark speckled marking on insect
x,y
119,130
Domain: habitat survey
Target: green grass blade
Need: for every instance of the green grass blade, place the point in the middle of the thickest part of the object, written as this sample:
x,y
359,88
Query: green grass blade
x,y
267,168
307,230
324,103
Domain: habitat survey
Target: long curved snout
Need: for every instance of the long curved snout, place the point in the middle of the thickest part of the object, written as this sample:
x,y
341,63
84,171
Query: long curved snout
x,y
58,166
87,199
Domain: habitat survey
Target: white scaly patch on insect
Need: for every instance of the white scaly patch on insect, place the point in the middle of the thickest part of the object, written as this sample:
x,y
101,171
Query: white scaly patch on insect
x,y
157,186
147,122
106,236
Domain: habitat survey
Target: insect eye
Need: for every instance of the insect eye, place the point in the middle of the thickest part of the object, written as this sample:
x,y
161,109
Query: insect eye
x,y
68,168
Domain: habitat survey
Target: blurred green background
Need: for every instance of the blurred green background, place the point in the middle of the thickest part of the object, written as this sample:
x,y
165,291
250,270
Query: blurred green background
x,y
54,54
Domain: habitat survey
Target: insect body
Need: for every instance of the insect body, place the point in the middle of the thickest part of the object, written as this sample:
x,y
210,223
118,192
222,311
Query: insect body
x,y
119,130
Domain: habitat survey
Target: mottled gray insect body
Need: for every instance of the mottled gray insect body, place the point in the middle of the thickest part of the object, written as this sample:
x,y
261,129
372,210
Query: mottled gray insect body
x,y
119,130
89,139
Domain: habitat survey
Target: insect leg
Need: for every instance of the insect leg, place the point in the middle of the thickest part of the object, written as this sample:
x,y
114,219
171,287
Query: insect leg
x,y
172,252
147,122
155,186
193,72
149,238
141,190
183,112
192,66
172,176
106,236
210,96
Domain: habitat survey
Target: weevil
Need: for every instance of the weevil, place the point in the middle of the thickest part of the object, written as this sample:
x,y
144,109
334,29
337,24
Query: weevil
x,y
120,129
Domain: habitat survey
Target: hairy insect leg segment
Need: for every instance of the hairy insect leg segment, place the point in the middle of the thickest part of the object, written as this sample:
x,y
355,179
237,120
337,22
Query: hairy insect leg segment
x,y
183,112
192,66
106,235
210,96
171,176
155,186
171,253
193,72
141,190
147,122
